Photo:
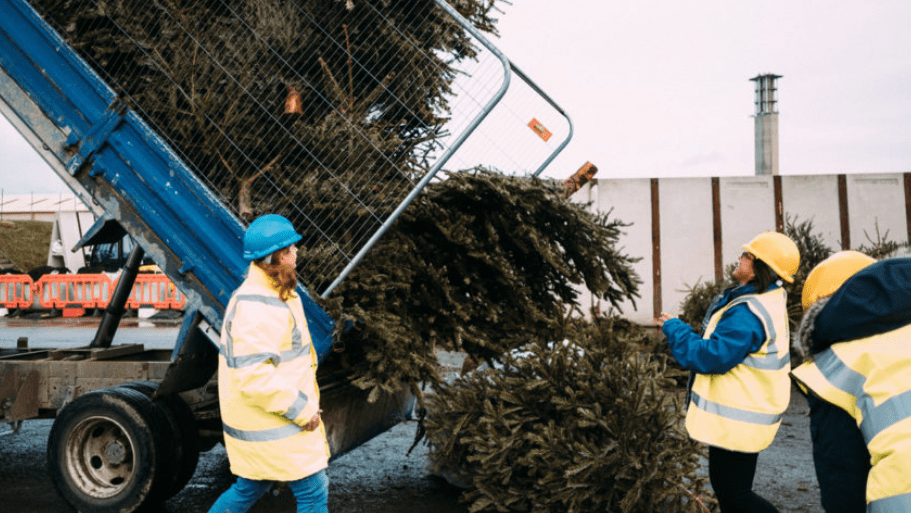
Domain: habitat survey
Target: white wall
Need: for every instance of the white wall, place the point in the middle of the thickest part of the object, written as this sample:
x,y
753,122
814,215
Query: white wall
x,y
746,207
686,238
876,200
815,199
629,200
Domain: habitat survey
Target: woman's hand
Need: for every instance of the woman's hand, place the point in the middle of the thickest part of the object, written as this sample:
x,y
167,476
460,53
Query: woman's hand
x,y
314,422
661,319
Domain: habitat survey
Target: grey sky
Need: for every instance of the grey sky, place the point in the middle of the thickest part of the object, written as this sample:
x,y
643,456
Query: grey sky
x,y
22,171
661,88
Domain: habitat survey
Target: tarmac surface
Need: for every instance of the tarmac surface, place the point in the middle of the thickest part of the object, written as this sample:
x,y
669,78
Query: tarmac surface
x,y
377,477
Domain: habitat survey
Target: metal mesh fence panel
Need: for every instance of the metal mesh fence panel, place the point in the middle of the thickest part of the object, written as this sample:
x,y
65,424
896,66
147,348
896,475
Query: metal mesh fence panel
x,y
521,135
331,113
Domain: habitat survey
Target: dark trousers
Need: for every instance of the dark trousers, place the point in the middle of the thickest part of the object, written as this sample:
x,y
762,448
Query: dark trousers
x,y
731,474
840,456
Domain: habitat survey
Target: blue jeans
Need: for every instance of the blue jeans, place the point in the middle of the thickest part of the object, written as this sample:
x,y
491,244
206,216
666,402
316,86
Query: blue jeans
x,y
312,494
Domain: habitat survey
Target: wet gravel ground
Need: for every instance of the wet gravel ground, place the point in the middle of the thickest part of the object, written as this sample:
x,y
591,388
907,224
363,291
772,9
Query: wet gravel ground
x,y
377,477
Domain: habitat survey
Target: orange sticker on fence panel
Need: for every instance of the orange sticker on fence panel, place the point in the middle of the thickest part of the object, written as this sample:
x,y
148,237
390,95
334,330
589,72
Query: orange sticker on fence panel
x,y
539,129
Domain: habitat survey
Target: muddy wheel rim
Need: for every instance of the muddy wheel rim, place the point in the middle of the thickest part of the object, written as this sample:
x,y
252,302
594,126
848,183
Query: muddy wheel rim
x,y
100,457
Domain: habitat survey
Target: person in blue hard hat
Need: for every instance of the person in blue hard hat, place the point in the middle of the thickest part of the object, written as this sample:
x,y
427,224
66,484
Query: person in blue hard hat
x,y
267,388
740,363
856,337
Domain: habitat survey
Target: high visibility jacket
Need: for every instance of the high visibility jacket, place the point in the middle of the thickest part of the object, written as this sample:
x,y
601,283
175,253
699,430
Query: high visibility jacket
x,y
267,385
870,378
738,333
742,409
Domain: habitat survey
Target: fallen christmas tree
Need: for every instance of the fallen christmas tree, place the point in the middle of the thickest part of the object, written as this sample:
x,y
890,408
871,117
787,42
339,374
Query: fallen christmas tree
x,y
587,424
481,263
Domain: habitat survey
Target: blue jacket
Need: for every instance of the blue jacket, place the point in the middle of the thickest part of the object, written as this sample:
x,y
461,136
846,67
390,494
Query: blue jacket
x,y
739,333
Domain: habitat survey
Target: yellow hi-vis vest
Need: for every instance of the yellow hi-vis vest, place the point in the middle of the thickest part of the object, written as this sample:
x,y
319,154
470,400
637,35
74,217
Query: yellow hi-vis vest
x,y
742,409
267,385
870,379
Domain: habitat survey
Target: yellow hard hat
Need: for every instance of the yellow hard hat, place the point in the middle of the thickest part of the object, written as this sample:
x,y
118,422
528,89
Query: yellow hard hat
x,y
778,252
831,273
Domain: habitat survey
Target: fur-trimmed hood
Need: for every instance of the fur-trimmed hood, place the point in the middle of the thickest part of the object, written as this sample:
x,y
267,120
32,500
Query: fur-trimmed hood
x,y
875,300
802,338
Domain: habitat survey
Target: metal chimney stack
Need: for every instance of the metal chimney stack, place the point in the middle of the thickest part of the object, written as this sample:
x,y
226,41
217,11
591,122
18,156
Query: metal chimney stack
x,y
766,124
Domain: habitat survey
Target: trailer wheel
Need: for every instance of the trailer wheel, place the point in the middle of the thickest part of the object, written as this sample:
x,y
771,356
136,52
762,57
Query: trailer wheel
x,y
184,435
103,449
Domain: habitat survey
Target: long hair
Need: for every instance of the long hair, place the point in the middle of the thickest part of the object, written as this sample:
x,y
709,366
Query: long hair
x,y
284,277
763,276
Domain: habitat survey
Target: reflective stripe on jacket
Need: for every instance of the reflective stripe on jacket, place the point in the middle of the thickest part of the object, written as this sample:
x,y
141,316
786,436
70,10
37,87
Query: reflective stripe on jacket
x,y
267,385
870,378
742,409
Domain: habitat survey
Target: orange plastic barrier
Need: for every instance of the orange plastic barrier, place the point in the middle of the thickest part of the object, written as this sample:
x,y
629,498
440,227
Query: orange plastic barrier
x,y
16,290
74,290
155,290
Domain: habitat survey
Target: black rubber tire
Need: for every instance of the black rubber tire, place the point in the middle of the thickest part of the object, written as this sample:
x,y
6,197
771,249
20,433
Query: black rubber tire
x,y
188,433
184,435
103,450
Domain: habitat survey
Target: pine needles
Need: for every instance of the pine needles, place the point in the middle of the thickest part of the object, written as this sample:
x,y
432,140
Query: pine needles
x,y
481,262
812,251
587,424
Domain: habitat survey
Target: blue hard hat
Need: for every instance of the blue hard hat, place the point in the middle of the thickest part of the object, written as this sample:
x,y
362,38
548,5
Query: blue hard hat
x,y
268,234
